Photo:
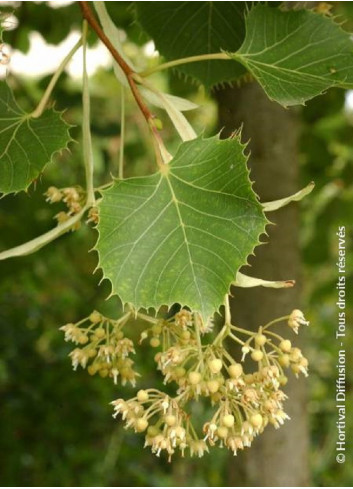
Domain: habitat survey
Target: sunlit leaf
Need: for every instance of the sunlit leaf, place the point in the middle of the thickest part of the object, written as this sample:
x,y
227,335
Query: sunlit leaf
x,y
180,235
295,55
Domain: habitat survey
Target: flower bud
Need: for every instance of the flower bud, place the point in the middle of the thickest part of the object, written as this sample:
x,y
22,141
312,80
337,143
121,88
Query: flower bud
x,y
284,360
100,332
212,386
260,339
235,370
256,420
103,372
82,339
222,432
285,346
142,395
228,420
283,380
95,317
194,378
179,372
215,365
154,342
92,369
170,420
153,431
141,424
257,355
91,352
295,354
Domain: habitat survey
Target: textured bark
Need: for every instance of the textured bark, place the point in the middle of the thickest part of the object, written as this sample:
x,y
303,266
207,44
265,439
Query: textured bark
x,y
278,457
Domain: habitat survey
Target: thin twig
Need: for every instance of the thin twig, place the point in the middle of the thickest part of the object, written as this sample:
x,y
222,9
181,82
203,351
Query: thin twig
x,y
128,71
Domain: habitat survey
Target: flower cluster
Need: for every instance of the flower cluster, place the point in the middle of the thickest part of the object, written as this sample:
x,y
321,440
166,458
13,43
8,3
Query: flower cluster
x,y
93,215
248,402
167,425
179,330
104,349
73,197
243,402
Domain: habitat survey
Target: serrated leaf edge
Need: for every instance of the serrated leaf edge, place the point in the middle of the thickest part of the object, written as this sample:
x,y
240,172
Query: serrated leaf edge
x,y
155,307
27,116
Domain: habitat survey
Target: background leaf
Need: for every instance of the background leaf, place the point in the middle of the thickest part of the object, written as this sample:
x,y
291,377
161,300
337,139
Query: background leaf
x,y
182,29
26,144
181,236
295,55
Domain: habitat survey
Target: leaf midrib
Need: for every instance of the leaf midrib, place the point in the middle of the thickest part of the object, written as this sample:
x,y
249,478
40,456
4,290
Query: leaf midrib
x,y
182,225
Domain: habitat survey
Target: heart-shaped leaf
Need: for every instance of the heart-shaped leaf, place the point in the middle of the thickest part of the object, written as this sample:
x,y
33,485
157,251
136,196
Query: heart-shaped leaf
x,y
180,235
295,55
27,144
183,29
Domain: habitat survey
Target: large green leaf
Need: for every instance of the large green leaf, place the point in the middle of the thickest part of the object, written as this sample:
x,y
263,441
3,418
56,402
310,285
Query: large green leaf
x,y
183,29
27,144
182,234
295,55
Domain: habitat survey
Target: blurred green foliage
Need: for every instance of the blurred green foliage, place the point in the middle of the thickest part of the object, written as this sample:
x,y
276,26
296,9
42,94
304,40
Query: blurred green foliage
x,y
327,158
56,425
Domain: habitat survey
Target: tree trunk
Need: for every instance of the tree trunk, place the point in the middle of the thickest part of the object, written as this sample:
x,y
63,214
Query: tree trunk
x,y
277,457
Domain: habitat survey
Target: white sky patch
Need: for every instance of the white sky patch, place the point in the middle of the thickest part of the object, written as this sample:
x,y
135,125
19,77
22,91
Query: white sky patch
x,y
348,105
97,57
59,3
42,59
149,50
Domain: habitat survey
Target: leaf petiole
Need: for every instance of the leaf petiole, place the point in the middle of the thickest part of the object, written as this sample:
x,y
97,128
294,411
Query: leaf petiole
x,y
183,61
